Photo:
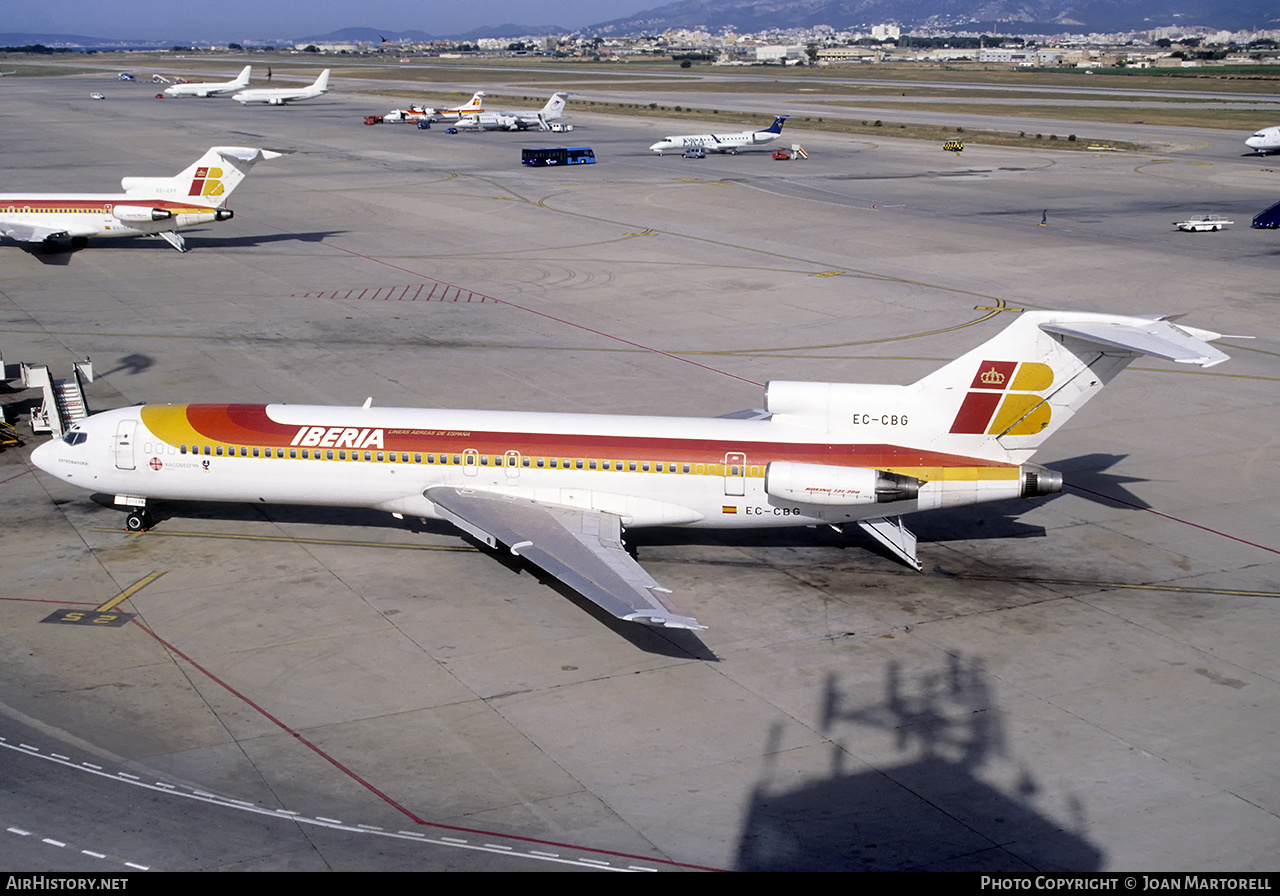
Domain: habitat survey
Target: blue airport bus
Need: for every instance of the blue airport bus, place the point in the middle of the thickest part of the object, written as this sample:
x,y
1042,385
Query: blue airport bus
x,y
559,155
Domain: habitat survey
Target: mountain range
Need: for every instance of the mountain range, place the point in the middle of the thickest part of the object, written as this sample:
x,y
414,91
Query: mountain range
x,y
750,16
1042,16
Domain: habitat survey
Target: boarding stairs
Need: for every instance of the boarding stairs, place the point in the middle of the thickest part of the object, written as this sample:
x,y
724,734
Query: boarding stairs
x,y
64,402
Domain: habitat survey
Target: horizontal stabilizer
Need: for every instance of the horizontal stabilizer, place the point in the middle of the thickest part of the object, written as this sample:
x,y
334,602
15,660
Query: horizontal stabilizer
x,y
1154,336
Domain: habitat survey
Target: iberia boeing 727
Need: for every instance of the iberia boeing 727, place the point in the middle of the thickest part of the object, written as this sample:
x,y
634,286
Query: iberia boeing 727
x,y
559,488
148,205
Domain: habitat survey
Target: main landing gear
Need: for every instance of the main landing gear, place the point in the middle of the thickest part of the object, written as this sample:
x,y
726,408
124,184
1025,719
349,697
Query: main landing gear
x,y
138,520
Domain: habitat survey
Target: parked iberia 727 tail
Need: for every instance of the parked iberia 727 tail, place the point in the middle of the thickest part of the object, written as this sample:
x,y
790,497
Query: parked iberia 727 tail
x,y
558,489
158,206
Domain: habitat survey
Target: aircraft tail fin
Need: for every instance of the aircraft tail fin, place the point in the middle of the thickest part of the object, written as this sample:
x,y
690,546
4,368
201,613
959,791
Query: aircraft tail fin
x,y
1014,391
776,127
242,79
322,82
1001,400
212,177
554,107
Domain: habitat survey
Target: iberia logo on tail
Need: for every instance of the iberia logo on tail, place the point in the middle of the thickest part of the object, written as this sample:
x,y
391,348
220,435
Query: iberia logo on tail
x,y
1006,397
207,182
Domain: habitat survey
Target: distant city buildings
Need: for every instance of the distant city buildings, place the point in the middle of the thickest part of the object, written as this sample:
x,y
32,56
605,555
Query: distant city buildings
x,y
825,45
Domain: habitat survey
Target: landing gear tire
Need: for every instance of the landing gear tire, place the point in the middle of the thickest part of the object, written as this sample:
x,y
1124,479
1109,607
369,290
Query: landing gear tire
x,y
137,521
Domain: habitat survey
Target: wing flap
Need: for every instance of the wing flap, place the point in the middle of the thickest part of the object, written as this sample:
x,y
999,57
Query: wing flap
x,y
1157,337
28,233
582,548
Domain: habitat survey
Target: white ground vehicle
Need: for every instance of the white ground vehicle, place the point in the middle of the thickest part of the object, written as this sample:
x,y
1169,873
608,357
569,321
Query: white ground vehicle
x,y
1197,223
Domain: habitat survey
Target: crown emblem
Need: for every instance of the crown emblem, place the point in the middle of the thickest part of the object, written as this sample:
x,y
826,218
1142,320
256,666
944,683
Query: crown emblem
x,y
992,377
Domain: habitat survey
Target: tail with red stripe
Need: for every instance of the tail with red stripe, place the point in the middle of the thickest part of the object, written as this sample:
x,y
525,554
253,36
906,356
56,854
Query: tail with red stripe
x,y
210,179
1004,398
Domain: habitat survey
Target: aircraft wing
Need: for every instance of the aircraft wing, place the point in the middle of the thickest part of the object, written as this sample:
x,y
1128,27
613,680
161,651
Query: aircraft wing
x,y
1157,337
582,548
28,233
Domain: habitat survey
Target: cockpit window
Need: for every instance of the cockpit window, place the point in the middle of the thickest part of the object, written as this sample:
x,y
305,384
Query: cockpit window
x,y
75,437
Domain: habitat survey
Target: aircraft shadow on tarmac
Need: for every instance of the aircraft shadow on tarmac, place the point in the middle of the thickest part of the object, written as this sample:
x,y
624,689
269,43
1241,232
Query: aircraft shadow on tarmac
x,y
998,520
930,812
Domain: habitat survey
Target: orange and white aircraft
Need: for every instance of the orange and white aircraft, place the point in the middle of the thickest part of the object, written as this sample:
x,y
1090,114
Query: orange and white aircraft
x,y
474,106
559,488
157,206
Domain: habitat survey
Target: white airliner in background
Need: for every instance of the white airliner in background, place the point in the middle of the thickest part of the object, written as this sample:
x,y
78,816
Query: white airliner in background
x,y
1265,141
278,96
730,143
210,88
148,205
559,488
515,121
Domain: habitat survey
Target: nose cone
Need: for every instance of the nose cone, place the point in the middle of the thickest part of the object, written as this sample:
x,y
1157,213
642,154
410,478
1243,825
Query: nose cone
x,y
45,456
661,145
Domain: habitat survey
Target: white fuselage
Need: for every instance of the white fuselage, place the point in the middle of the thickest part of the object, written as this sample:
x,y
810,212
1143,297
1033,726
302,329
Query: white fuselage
x,y
1265,141
106,214
279,96
211,88
647,470
729,143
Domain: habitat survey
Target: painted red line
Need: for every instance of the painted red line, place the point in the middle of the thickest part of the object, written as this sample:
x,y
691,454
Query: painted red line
x,y
19,475
387,799
434,287
1252,544
404,293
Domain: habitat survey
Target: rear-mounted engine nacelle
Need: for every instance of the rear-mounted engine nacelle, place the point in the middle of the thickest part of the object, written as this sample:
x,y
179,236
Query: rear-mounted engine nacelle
x,y
140,213
223,214
836,486
1037,481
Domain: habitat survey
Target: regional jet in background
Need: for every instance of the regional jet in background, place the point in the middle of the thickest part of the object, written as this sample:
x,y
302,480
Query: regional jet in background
x,y
1265,141
211,88
516,121
278,96
14,72
558,489
148,205
729,143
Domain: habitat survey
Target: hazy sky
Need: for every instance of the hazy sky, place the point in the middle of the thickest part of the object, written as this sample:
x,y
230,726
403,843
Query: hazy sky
x,y
231,20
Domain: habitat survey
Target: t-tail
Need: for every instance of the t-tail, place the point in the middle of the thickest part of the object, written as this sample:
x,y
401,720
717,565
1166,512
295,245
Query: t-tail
x,y
1000,401
776,127
209,180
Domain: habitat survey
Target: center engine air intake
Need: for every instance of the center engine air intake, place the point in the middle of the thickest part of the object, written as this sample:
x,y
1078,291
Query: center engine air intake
x,y
836,486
